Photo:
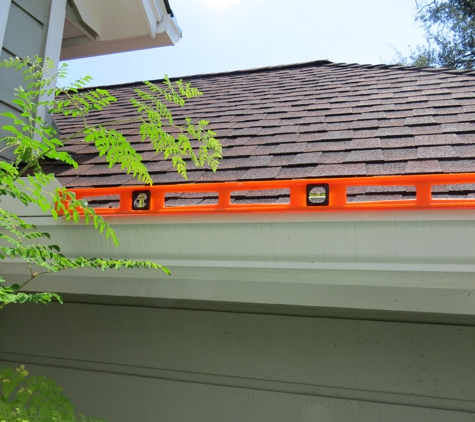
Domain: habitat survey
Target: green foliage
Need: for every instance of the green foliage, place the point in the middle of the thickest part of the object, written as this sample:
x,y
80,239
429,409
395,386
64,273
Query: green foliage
x,y
154,114
31,140
450,34
27,398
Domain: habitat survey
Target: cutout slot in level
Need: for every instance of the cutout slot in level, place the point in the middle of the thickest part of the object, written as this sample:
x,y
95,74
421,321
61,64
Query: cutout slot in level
x,y
190,199
453,191
105,201
260,197
380,193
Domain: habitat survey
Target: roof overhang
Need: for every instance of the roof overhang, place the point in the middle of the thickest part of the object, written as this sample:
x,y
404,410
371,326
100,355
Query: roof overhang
x,y
112,26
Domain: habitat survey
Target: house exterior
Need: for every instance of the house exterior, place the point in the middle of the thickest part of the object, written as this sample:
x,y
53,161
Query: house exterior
x,y
309,315
70,29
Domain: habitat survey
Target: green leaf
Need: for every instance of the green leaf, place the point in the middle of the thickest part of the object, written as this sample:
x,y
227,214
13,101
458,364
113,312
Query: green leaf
x,y
32,140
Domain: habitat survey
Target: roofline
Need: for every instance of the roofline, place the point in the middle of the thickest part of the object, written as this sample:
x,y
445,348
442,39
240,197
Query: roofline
x,y
323,62
225,73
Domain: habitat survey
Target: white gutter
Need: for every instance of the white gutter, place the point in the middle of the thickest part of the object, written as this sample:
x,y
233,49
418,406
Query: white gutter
x,y
406,263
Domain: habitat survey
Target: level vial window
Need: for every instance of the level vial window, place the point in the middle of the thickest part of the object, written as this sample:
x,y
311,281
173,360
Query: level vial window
x,y
318,194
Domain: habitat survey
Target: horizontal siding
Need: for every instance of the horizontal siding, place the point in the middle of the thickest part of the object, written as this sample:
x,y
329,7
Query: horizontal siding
x,y
38,9
4,108
144,364
9,80
24,35
142,399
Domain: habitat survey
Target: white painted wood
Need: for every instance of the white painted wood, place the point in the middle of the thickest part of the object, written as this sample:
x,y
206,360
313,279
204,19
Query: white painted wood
x,y
152,15
410,244
52,49
367,265
169,26
4,12
116,19
414,296
122,26
81,47
24,35
55,30
39,9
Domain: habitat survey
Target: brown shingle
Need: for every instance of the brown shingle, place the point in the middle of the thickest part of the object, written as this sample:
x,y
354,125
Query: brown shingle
x,y
295,172
333,157
240,151
422,120
400,154
307,158
417,167
385,169
327,146
458,166
365,143
335,170
260,174
311,120
364,156
464,150
443,151
437,139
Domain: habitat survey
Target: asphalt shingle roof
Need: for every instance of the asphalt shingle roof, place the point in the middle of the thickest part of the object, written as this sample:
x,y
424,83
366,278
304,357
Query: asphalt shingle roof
x,y
309,120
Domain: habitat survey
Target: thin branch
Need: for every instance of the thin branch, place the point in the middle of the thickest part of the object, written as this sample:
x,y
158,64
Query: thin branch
x,y
7,147
34,275
33,162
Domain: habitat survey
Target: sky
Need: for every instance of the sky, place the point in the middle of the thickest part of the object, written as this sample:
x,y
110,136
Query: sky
x,y
227,35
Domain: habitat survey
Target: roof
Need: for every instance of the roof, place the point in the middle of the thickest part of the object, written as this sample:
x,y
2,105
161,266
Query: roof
x,y
310,120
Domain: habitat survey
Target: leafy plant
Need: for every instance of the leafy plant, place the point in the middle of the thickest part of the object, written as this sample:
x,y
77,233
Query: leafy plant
x,y
449,28
26,398
31,140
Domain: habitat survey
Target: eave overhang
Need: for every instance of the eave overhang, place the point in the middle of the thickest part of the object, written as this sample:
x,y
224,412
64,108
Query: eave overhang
x,y
96,28
400,265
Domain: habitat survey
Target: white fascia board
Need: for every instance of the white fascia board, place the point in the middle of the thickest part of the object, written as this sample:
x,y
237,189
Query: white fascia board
x,y
170,26
53,47
359,261
55,30
152,15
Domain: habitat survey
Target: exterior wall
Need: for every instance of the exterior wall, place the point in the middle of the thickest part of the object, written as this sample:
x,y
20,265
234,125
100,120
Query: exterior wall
x,y
25,33
127,363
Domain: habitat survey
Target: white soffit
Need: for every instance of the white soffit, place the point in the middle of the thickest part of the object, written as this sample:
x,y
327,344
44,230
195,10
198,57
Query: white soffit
x,y
119,25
